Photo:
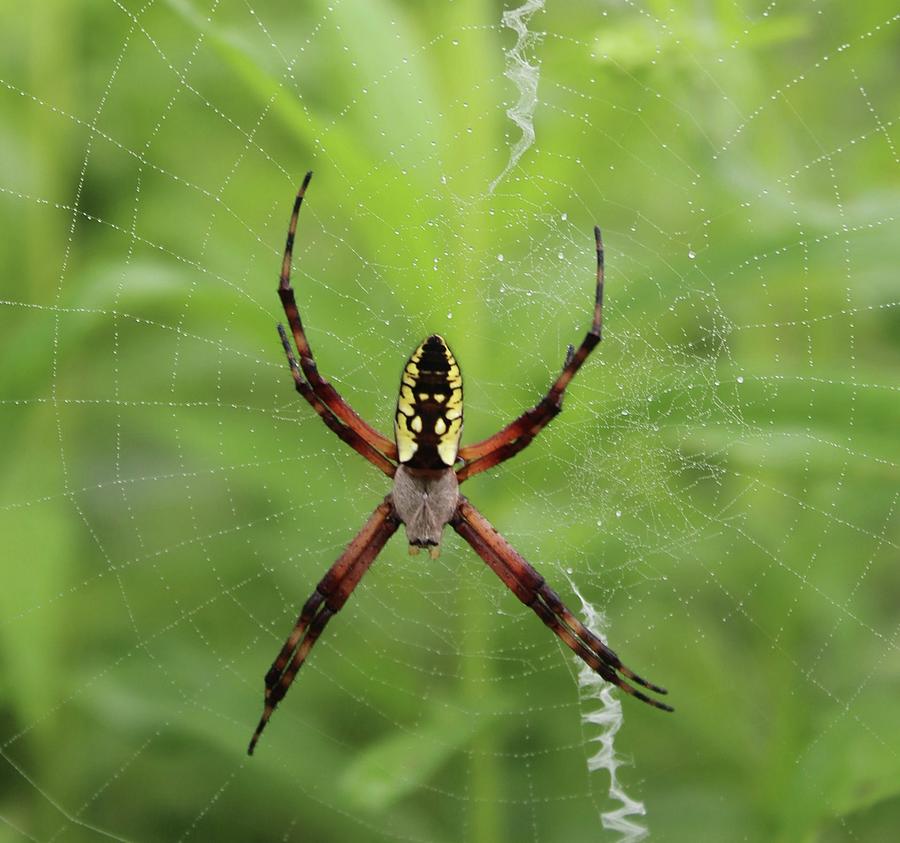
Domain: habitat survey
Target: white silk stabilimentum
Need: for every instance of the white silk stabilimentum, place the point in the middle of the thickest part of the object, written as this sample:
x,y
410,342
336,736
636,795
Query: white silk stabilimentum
x,y
602,725
525,76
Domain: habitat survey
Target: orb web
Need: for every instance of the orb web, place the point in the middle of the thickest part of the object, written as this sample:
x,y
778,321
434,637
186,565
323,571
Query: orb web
x,y
720,489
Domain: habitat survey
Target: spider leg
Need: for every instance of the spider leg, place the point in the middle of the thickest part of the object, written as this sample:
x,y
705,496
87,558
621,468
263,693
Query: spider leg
x,y
326,601
529,586
518,434
560,610
322,389
348,434
501,453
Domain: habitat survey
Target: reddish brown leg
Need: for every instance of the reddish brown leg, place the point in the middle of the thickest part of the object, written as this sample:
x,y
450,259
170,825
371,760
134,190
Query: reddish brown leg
x,y
501,453
348,434
519,433
330,595
529,586
323,390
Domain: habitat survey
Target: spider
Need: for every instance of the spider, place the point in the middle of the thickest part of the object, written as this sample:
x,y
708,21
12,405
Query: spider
x,y
422,460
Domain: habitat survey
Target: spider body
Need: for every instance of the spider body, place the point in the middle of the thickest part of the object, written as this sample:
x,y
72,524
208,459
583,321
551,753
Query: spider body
x,y
427,465
427,428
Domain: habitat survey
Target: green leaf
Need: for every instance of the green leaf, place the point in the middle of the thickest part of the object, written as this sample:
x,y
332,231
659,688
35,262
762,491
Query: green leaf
x,y
402,762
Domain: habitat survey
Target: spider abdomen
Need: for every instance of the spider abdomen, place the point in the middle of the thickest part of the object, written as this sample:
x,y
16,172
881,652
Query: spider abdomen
x,y
429,417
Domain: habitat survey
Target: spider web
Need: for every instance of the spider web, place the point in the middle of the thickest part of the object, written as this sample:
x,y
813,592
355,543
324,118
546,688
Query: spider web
x,y
718,498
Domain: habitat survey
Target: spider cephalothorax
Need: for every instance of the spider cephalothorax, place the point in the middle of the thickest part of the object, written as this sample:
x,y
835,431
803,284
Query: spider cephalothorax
x,y
427,465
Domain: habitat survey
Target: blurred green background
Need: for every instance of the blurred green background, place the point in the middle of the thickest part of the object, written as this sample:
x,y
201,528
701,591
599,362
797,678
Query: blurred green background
x,y
722,485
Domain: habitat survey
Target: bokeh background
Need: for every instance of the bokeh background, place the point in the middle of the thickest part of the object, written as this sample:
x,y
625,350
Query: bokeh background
x,y
722,485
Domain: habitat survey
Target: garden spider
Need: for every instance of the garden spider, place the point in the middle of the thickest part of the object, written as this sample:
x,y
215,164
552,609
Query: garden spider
x,y
425,495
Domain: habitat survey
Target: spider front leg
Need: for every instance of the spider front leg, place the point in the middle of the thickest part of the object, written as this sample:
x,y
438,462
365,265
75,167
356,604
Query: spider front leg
x,y
330,595
319,387
529,586
518,434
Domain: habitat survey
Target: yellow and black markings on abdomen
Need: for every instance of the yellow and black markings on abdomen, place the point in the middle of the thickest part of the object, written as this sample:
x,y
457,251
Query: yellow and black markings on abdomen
x,y
429,418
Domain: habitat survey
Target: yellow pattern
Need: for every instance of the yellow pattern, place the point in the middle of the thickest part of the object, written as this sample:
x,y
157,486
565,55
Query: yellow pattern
x,y
449,444
431,417
406,443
